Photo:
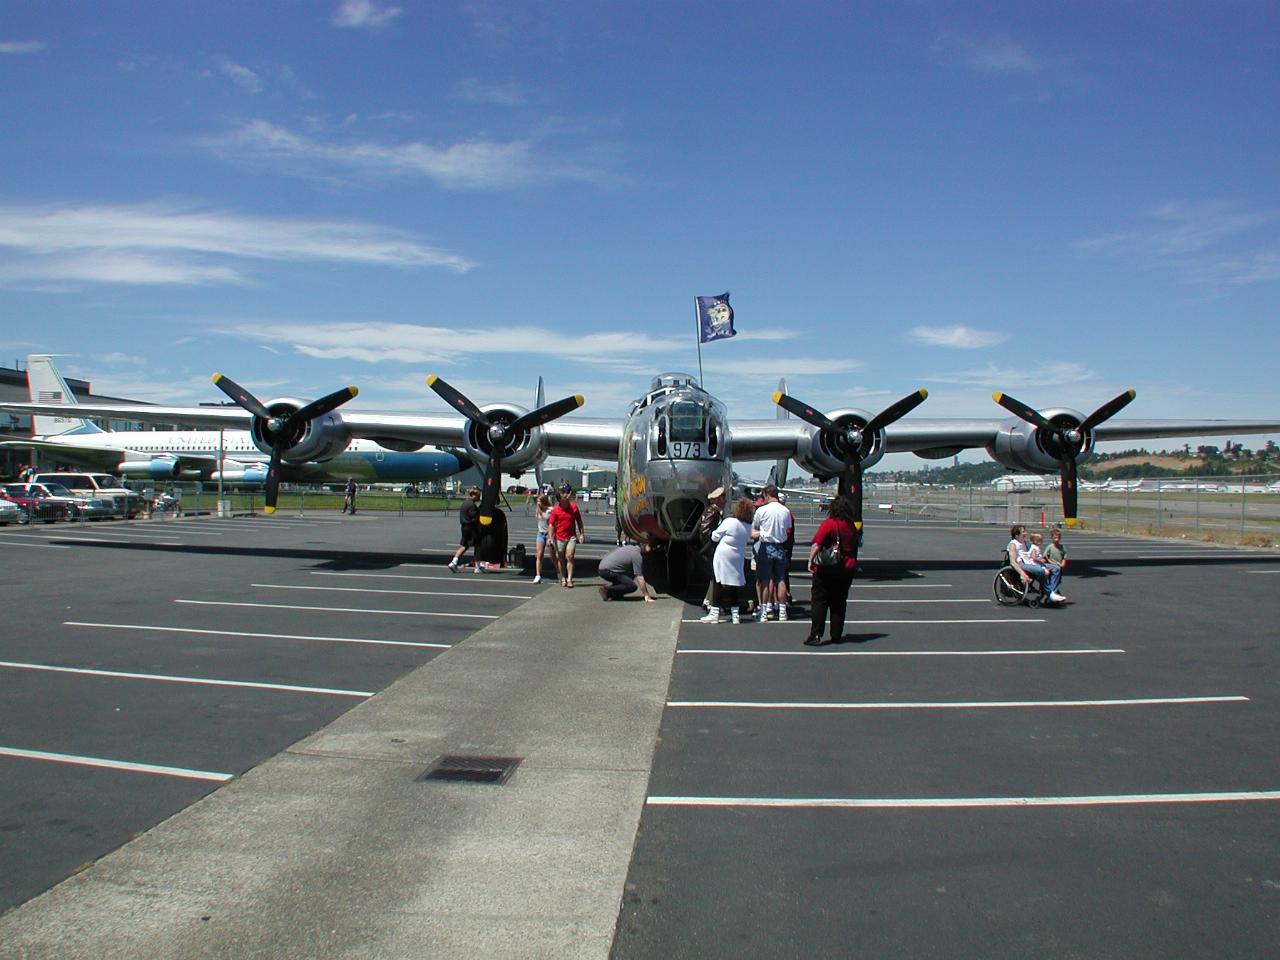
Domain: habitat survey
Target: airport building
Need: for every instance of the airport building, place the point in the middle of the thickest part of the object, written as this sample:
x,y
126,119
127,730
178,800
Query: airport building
x,y
17,426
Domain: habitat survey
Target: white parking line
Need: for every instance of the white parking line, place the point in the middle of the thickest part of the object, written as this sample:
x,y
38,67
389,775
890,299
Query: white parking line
x,y
115,764
285,606
1262,571
949,802
200,681
898,653
411,593
950,705
21,540
482,579
264,636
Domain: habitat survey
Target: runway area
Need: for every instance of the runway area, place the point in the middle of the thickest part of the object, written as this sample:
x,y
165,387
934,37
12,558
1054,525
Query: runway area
x,y
953,779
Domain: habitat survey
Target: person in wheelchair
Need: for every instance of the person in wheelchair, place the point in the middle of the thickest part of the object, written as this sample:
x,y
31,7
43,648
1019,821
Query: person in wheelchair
x,y
1026,559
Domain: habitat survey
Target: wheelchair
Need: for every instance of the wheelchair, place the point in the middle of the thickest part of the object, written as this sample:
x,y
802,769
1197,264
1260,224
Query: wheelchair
x,y
1010,591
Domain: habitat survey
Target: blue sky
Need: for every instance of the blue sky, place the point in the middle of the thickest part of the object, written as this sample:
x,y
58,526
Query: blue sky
x,y
1060,201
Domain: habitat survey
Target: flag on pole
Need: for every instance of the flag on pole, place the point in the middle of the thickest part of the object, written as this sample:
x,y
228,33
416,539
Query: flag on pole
x,y
715,318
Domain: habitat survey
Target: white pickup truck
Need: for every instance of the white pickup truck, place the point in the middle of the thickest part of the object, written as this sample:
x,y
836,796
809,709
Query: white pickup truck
x,y
97,486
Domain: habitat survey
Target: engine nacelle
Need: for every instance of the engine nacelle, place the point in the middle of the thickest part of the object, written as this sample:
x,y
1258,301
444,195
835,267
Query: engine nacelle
x,y
251,473
1022,447
155,468
521,452
321,439
815,453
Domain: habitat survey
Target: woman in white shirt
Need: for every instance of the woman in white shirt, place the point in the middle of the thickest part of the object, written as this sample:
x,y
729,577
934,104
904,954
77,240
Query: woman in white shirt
x,y
727,564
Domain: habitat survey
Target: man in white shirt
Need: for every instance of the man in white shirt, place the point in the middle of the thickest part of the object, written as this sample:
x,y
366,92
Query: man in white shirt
x,y
772,527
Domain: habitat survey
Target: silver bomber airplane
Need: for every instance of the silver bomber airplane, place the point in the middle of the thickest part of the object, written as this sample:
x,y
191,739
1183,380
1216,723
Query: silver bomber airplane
x,y
677,442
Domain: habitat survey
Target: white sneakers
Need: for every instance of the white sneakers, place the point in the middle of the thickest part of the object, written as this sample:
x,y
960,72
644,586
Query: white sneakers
x,y
1057,598
537,579
453,566
713,616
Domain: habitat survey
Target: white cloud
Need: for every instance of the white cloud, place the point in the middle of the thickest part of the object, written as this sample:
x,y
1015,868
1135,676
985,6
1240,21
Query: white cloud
x,y
958,337
1214,243
1004,378
364,14
21,46
470,164
991,54
167,243
509,94
241,76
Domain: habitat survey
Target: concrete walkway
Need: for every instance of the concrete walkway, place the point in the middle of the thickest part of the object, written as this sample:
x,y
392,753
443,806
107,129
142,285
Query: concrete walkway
x,y
334,848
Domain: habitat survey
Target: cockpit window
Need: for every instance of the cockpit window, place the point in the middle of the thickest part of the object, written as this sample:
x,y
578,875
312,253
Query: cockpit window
x,y
688,421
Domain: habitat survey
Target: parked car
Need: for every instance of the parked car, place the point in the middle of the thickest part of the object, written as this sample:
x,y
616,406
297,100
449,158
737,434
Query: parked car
x,y
82,508
38,504
95,486
10,512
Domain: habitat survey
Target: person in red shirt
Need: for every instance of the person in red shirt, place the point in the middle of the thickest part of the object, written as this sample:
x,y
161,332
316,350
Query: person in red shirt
x,y
565,523
831,584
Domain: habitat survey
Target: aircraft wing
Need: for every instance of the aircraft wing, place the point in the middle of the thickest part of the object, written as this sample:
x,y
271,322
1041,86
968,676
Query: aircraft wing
x,y
96,455
934,438
207,418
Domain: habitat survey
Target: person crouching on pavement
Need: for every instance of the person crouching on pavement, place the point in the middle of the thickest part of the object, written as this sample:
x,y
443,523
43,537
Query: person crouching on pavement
x,y
623,571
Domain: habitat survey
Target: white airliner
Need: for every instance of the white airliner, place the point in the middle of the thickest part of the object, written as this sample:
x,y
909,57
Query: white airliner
x,y
193,454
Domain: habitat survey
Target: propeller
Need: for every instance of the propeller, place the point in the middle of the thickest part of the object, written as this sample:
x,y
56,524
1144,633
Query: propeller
x,y
500,433
280,432
850,441
1065,442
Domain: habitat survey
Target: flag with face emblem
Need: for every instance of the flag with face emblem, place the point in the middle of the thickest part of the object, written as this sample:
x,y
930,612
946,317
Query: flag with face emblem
x,y
715,318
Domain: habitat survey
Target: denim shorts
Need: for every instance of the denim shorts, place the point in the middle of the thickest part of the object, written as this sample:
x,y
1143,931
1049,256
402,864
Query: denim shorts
x,y
542,537
771,563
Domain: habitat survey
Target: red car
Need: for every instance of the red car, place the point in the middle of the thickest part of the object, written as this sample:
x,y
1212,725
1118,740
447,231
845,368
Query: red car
x,y
38,503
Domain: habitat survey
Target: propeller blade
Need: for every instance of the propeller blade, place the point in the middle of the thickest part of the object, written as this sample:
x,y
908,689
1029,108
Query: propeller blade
x,y
897,411
552,411
318,408
1069,491
804,412
1021,410
241,396
1108,410
856,493
273,482
456,399
489,492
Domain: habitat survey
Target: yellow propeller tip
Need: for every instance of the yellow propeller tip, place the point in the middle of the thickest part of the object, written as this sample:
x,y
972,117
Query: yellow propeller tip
x,y
217,377
997,396
1070,521
354,390
431,379
485,521
268,510
1132,393
857,524
777,395
924,393
580,398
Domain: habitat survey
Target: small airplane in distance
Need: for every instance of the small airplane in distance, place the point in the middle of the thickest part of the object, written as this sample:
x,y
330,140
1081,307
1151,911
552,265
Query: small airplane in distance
x,y
677,442
63,432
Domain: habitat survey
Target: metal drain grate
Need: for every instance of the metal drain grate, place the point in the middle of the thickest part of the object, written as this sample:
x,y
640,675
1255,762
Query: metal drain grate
x,y
472,769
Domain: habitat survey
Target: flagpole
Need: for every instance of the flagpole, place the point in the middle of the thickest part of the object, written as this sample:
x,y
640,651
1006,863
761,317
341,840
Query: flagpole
x,y
697,323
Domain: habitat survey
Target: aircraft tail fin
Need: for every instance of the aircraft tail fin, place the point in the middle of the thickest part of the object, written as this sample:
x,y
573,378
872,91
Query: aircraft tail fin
x,y
47,386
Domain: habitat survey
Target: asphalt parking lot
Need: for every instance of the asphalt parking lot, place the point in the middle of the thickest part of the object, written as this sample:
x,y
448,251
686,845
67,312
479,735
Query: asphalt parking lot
x,y
954,779
959,779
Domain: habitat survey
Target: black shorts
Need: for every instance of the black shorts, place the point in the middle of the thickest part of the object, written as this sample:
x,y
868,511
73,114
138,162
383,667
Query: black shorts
x,y
470,536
